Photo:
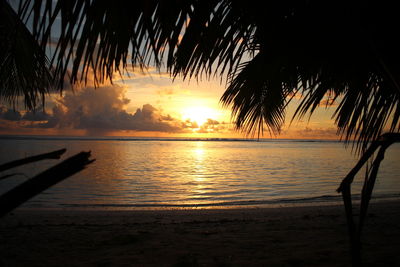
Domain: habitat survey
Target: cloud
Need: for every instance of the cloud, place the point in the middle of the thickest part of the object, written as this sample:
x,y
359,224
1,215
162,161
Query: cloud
x,y
295,95
144,76
317,133
35,116
15,115
9,114
102,110
166,92
214,126
13,121
189,125
328,102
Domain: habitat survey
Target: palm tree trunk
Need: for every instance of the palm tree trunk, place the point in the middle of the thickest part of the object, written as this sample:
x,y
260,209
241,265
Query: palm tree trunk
x,y
355,242
345,188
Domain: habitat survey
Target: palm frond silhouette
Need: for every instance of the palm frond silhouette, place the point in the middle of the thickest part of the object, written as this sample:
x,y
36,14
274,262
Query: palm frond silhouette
x,y
346,52
323,51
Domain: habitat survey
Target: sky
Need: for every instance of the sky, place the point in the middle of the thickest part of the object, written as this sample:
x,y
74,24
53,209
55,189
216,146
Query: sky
x,y
149,104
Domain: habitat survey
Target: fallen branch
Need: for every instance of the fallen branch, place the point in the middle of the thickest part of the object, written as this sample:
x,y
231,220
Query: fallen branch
x,y
51,155
25,191
11,175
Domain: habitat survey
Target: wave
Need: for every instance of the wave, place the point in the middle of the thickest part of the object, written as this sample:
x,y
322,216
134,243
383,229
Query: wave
x,y
325,199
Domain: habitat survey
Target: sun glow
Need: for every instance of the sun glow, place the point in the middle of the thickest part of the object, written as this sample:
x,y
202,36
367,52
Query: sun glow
x,y
199,114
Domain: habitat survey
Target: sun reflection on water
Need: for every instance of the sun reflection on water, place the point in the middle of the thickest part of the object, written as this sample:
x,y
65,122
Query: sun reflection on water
x,y
136,173
199,170
198,151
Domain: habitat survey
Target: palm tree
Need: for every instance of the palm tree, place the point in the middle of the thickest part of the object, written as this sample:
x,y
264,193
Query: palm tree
x,y
344,51
25,70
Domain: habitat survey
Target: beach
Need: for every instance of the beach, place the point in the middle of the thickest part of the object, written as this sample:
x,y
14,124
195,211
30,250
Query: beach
x,y
278,236
110,156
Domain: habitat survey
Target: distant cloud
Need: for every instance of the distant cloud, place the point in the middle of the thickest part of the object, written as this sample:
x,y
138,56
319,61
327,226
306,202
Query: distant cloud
x,y
9,114
188,124
35,116
213,126
166,91
328,102
103,109
317,133
295,95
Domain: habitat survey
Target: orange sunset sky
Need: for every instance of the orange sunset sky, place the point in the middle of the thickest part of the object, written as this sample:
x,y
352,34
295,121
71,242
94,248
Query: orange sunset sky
x,y
149,104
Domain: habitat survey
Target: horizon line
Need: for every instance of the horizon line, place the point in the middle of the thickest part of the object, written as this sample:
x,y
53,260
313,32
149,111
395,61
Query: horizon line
x,y
156,138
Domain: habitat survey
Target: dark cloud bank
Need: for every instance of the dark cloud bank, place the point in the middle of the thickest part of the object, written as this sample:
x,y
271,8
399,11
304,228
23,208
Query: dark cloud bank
x,y
102,110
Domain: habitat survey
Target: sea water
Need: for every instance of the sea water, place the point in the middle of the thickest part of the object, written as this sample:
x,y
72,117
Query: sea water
x,y
195,173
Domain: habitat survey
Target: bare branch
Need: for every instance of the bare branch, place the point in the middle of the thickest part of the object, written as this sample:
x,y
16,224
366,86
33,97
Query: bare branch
x,y
34,186
51,155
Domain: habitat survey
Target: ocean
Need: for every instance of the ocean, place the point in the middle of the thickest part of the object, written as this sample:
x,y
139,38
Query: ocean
x,y
153,173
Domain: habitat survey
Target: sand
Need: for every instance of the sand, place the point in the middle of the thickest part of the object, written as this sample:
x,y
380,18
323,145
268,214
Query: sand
x,y
289,236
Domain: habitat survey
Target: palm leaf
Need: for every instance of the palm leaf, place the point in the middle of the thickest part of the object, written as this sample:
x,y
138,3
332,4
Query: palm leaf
x,y
24,68
344,50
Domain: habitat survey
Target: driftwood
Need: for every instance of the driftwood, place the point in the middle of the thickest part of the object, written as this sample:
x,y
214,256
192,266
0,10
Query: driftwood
x,y
12,164
51,155
34,186
10,175
370,177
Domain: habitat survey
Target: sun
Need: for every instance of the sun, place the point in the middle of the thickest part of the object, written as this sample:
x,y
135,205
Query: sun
x,y
199,114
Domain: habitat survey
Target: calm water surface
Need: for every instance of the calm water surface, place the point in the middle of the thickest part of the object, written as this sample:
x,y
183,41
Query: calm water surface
x,y
168,173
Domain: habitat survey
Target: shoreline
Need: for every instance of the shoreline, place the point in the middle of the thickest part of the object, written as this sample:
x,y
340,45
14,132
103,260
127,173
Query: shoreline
x,y
280,236
266,204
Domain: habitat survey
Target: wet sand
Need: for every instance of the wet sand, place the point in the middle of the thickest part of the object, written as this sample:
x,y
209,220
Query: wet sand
x,y
286,236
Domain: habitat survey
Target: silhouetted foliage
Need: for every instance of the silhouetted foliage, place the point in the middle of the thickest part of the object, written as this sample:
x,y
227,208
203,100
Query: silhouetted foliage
x,y
340,50
355,230
24,68
343,51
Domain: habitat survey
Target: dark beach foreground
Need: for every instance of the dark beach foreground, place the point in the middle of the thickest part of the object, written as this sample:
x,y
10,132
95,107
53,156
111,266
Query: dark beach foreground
x,y
287,236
